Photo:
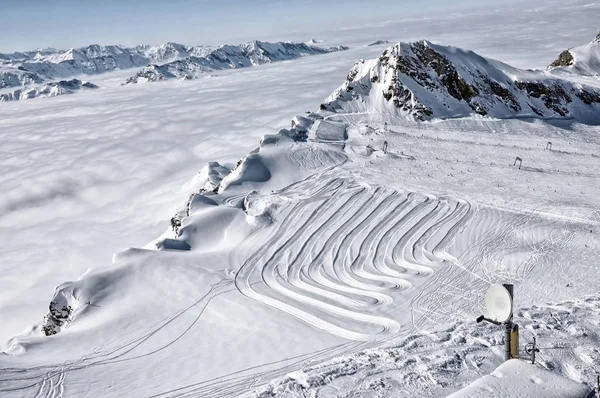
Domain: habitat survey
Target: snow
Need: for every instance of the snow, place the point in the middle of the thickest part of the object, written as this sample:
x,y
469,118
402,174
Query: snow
x,y
311,268
516,378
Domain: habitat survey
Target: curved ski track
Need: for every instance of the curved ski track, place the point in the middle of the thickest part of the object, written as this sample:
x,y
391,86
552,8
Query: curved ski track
x,y
344,252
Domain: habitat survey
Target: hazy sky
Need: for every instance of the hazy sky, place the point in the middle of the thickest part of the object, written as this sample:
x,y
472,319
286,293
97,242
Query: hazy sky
x,y
31,24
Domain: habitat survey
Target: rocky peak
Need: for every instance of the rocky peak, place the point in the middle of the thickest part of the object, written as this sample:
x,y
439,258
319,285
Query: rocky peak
x,y
564,59
424,80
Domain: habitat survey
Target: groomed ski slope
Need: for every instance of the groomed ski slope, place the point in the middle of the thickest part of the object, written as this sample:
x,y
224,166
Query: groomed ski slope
x,y
314,260
271,299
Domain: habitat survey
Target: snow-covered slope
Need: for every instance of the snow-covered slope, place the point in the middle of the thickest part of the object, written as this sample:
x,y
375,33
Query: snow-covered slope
x,y
228,57
516,378
424,80
582,60
48,90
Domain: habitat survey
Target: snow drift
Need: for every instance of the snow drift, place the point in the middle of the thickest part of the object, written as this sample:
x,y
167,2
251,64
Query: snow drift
x,y
517,378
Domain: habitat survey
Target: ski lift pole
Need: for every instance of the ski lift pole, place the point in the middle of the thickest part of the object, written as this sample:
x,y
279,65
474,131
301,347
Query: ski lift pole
x,y
508,326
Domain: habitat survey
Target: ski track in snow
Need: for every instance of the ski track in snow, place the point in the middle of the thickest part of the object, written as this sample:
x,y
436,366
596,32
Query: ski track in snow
x,y
345,249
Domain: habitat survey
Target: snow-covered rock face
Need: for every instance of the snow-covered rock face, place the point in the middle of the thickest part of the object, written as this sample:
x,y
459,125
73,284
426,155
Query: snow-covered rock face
x,y
52,89
14,77
422,80
582,60
227,57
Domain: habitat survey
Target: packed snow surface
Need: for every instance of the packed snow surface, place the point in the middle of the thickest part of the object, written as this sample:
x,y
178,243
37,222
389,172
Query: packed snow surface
x,y
302,261
516,378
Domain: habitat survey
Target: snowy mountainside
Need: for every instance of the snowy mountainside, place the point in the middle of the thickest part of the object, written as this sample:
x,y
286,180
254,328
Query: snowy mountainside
x,y
423,80
582,60
14,77
228,57
52,89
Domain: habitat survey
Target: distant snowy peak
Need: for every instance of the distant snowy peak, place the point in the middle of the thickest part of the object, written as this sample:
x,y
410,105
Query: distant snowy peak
x,y
37,66
48,90
228,57
422,80
582,60
378,43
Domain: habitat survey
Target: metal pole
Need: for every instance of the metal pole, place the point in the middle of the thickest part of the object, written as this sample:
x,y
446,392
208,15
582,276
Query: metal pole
x,y
508,330
533,352
514,341
508,327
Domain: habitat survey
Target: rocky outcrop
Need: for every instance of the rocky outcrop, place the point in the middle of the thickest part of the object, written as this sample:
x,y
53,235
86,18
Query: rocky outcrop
x,y
422,80
60,311
564,59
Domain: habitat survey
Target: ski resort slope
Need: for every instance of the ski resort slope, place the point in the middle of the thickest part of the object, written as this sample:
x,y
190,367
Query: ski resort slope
x,y
318,268
317,250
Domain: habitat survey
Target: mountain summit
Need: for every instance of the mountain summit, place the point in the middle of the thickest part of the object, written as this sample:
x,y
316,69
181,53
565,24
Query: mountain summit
x,y
423,80
582,60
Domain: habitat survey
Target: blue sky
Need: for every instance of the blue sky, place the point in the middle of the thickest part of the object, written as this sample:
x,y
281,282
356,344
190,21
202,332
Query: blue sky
x,y
31,24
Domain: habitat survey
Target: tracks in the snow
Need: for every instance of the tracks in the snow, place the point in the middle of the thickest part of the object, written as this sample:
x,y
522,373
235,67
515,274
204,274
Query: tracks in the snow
x,y
344,252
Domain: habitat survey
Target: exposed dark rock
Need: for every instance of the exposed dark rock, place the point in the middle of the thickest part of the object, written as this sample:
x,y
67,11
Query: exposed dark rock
x,y
564,59
554,96
588,97
57,317
503,93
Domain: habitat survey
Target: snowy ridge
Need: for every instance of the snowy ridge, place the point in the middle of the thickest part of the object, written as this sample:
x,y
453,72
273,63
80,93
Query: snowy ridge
x,y
228,57
423,80
52,89
583,60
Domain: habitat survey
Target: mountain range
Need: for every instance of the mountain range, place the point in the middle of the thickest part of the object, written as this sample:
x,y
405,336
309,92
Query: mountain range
x,y
228,57
35,67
